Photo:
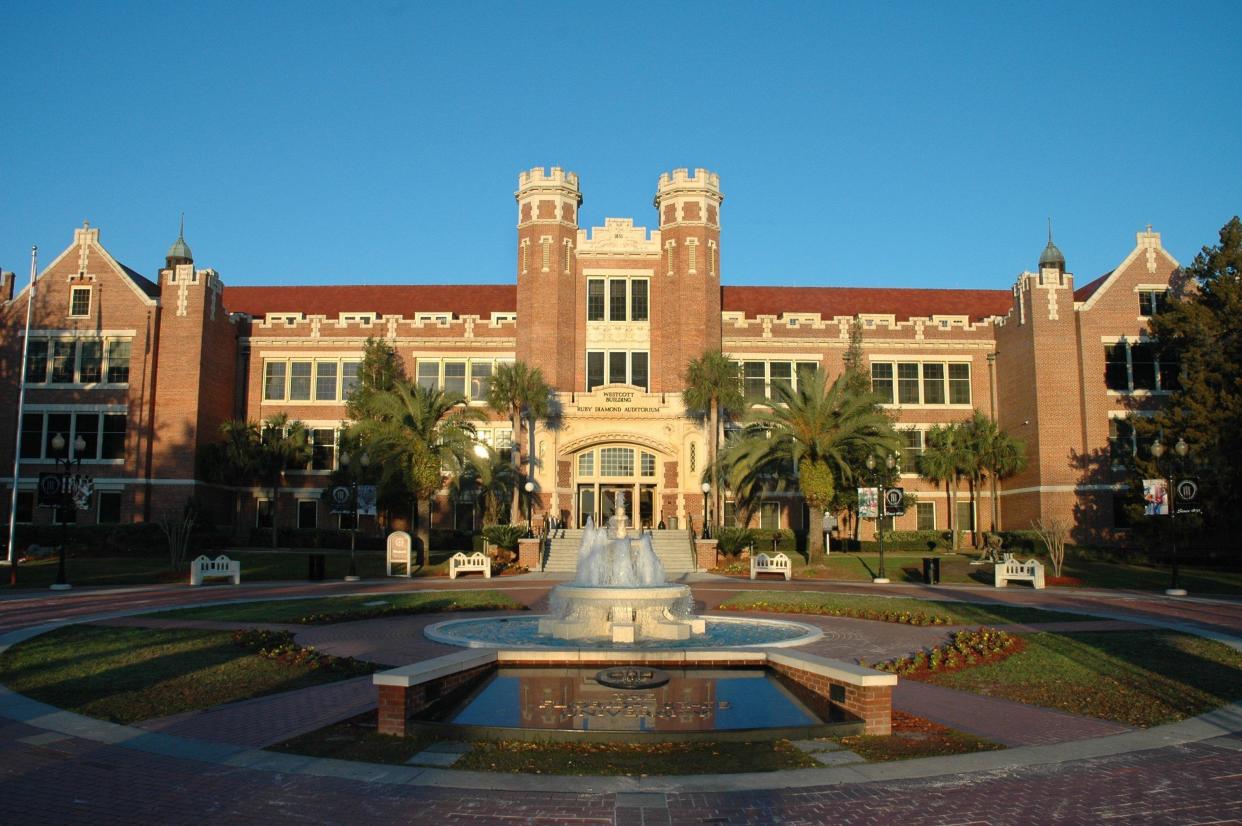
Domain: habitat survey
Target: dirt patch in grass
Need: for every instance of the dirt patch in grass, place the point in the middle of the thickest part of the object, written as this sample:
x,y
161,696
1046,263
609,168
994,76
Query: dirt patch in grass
x,y
329,610
130,674
1139,678
892,609
915,737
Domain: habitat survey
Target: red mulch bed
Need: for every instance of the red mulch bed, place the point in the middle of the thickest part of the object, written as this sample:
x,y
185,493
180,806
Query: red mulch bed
x,y
1065,581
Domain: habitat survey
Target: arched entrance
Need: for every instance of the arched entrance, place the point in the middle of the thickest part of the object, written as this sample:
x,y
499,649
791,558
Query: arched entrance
x,y
604,472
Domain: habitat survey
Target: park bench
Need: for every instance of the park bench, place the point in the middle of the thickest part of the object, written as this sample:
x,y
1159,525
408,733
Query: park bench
x,y
764,564
1011,569
477,561
221,566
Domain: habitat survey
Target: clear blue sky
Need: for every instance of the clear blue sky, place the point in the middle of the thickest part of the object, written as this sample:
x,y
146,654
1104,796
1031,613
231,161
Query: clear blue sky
x,y
896,144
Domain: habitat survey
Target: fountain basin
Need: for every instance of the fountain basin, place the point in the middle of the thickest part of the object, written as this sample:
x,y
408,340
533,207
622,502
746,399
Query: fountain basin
x,y
623,614
718,633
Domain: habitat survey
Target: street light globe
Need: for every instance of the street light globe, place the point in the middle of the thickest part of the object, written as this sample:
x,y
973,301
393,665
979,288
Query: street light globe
x,y
58,442
344,458
890,462
1181,448
707,487
870,463
364,459
529,486
1157,449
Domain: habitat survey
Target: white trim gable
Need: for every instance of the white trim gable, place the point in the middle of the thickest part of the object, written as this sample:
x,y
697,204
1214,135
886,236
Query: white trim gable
x,y
89,235
1144,242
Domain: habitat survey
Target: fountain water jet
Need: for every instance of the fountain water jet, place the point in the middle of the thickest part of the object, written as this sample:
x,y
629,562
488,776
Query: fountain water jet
x,y
619,591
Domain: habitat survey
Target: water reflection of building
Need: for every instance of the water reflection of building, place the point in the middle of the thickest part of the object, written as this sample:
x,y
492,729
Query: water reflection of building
x,y
558,699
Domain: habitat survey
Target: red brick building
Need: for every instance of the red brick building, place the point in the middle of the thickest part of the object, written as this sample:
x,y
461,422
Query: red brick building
x,y
145,370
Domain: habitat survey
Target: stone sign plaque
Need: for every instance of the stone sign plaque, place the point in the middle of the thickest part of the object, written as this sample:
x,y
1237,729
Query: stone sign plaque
x,y
399,553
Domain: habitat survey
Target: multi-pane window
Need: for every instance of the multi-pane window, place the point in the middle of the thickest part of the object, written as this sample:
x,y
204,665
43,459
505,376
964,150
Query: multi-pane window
x,y
625,299
595,299
925,516
965,516
617,367
770,516
308,513
1152,302
1124,441
616,461
1130,366
118,361
911,448
921,382
36,361
471,379
771,379
638,299
616,299
80,301
647,464
586,463
103,435
64,356
306,380
323,448
326,389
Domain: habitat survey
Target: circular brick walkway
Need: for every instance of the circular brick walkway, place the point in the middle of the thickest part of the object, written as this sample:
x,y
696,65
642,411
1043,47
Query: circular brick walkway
x,y
59,768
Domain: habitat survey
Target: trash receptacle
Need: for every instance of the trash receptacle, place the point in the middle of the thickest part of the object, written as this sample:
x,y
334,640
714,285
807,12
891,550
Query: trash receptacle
x,y
316,564
931,570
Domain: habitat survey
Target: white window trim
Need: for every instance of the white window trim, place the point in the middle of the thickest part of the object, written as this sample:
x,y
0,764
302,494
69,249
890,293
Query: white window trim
x,y
313,358
935,515
90,301
894,360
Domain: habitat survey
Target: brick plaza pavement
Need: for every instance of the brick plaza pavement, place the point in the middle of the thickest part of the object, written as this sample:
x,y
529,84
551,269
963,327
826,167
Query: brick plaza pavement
x,y
49,777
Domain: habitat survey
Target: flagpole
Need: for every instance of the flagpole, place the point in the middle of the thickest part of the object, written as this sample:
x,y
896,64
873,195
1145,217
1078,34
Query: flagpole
x,y
21,402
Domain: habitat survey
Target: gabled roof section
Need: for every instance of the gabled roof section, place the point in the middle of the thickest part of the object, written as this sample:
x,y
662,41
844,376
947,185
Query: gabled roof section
x,y
141,281
382,299
830,302
1087,290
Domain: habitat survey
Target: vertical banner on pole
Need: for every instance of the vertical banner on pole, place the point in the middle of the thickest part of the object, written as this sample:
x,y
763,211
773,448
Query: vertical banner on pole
x,y
1155,497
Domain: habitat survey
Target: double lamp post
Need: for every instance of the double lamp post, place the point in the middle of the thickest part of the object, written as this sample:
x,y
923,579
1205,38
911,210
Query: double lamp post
x,y
1169,472
363,461
65,502
878,479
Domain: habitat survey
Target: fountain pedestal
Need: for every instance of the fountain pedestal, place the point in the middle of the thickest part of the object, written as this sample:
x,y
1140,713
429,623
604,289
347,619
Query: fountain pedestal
x,y
621,614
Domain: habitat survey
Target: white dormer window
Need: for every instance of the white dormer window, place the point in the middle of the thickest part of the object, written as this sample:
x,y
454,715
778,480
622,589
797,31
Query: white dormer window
x,y
79,302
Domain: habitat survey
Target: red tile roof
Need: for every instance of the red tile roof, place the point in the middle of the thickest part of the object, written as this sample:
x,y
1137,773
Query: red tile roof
x,y
391,299
1087,290
849,301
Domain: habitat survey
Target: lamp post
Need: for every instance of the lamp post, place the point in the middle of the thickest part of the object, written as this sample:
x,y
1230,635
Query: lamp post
x,y
707,491
529,487
1180,450
889,463
363,461
66,466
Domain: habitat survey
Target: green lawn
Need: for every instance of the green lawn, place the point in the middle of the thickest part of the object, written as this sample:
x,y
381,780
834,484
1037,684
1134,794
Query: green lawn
x,y
342,609
129,674
1097,574
1140,678
851,605
256,566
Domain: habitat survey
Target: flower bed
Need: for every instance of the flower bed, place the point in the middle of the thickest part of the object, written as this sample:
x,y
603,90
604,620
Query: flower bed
x,y
279,646
965,650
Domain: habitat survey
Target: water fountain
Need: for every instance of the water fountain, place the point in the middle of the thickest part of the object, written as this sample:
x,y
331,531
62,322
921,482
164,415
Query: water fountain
x,y
620,592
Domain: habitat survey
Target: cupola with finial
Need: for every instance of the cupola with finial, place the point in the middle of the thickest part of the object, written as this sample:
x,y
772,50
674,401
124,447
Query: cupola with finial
x,y
179,252
1051,258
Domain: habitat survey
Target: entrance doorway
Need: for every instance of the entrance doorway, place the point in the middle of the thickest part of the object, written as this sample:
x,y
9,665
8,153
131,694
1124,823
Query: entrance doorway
x,y
606,473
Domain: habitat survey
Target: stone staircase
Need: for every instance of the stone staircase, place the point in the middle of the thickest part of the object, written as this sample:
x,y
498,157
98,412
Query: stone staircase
x,y
672,547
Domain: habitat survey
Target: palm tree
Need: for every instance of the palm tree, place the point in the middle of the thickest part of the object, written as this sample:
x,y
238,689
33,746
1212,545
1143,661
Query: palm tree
x,y
283,444
234,460
811,430
944,459
417,433
518,389
1000,456
492,479
713,392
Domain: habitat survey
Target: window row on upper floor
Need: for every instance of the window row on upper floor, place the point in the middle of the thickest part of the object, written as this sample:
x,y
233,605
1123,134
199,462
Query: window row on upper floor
x,y
309,380
618,299
471,378
615,462
922,382
102,435
769,379
80,360
1137,366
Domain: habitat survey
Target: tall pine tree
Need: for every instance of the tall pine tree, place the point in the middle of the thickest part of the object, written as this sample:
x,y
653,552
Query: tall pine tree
x,y
1201,332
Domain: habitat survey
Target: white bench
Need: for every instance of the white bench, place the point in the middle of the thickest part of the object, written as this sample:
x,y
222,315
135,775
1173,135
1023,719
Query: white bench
x,y
477,561
764,564
1011,569
220,566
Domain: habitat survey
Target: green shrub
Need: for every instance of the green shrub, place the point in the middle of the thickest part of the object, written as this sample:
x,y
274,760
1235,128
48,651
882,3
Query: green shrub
x,y
504,536
733,541
786,542
917,540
